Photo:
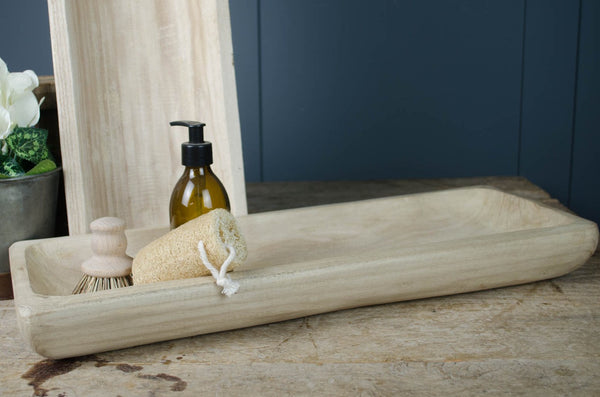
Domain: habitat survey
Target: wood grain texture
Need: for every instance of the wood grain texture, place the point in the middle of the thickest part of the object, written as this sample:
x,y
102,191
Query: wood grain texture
x,y
537,339
302,262
123,70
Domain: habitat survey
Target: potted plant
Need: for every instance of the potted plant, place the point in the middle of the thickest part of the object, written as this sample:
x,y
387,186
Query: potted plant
x,y
28,174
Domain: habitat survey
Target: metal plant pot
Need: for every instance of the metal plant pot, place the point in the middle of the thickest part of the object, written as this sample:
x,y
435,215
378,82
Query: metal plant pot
x,y
27,210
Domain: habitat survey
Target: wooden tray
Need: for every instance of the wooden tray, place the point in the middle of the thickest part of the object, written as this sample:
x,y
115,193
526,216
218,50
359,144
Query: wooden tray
x,y
302,262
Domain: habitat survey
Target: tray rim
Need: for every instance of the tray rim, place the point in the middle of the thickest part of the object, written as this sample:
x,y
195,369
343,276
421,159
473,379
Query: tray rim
x,y
18,250
31,307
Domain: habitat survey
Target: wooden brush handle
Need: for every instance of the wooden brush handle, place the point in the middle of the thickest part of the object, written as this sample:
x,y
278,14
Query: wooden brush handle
x,y
108,245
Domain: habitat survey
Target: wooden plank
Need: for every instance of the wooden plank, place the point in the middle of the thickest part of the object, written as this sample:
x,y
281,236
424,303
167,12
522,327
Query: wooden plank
x,y
302,262
125,69
550,63
585,189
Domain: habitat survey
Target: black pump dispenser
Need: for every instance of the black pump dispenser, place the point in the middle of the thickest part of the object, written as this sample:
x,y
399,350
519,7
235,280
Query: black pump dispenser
x,y
197,152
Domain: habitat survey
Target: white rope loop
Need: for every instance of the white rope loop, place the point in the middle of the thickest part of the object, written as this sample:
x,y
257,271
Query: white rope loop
x,y
230,287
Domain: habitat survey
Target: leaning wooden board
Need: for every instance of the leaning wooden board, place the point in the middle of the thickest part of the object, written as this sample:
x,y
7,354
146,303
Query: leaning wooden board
x,y
305,261
123,70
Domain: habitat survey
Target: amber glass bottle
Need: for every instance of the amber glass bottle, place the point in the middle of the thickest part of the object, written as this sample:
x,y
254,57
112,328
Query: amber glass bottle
x,y
198,191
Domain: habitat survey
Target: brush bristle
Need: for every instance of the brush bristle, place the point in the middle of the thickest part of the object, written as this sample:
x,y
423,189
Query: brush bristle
x,y
91,283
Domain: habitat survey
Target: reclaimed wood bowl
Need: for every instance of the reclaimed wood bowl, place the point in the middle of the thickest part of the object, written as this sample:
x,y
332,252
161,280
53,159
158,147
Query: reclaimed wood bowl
x,y
302,262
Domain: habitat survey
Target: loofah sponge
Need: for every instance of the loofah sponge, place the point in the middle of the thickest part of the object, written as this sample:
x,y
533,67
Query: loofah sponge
x,y
175,255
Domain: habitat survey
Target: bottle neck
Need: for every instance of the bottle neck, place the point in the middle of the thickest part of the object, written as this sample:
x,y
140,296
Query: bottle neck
x,y
194,172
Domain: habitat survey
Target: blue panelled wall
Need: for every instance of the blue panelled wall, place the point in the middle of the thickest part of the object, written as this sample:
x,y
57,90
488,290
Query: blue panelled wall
x,y
349,89
354,89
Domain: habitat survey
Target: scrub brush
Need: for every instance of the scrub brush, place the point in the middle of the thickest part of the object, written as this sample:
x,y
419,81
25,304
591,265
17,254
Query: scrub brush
x,y
110,267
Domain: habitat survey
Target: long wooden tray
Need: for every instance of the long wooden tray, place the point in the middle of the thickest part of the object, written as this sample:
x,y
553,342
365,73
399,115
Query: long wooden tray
x,y
302,262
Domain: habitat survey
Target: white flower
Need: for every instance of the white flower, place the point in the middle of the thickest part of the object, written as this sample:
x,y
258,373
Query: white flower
x,y
22,82
25,111
4,127
4,90
18,104
4,122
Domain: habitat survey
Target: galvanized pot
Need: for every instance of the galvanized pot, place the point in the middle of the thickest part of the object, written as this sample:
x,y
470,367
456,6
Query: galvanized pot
x,y
27,210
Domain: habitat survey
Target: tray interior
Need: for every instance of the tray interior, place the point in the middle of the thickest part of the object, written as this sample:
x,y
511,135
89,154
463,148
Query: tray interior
x,y
338,230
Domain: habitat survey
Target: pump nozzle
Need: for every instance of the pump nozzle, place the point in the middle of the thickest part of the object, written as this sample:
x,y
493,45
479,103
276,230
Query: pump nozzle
x,y
197,152
196,129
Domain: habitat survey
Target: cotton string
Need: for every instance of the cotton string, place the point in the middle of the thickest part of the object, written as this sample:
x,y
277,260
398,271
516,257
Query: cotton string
x,y
230,287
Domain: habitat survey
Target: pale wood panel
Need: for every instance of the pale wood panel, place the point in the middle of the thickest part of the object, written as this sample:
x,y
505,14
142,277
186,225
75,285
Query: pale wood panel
x,y
123,70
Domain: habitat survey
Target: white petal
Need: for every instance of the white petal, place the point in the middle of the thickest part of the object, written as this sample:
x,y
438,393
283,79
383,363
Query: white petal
x,y
4,88
3,70
5,124
33,77
20,83
25,111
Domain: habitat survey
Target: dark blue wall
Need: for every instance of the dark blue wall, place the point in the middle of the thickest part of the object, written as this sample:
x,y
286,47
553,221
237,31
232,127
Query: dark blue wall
x,y
390,89
341,89
585,166
349,89
25,33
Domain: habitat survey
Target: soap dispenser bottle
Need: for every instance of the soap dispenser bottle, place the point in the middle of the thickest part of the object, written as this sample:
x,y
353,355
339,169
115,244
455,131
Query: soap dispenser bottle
x,y
198,191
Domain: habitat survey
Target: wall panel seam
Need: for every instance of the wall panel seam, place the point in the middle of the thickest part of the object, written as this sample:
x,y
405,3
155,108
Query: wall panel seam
x,y
574,115
261,159
520,131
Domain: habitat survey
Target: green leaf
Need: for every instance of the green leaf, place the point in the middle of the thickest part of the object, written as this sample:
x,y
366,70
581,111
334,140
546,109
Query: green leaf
x,y
29,144
45,154
41,167
9,167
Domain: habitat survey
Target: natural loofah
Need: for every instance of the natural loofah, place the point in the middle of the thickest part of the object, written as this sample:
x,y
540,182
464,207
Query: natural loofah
x,y
175,255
